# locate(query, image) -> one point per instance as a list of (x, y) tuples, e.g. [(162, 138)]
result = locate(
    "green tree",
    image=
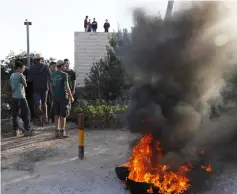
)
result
[(8, 64), (7, 67), (105, 81)]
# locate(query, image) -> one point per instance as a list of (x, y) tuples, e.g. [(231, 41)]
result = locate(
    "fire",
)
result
[(142, 169), (207, 168)]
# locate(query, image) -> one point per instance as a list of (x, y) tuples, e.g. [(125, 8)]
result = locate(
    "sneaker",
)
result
[(28, 133), (62, 134), (15, 133), (38, 123), (46, 122), (57, 133)]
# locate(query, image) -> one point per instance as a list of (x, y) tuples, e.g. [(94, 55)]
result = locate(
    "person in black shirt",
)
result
[(85, 23), (71, 76), (29, 94), (50, 107), (39, 74), (94, 25), (106, 26)]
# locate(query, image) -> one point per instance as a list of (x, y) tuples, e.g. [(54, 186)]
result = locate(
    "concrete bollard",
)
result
[(81, 136)]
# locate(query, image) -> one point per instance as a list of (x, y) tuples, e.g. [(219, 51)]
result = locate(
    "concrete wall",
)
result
[(88, 48)]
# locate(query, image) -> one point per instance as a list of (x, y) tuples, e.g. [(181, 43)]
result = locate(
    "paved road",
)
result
[(41, 164)]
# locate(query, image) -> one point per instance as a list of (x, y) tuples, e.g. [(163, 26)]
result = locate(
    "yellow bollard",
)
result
[(81, 136)]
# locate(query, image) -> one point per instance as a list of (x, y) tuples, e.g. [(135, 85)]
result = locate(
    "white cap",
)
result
[(60, 62), (38, 56)]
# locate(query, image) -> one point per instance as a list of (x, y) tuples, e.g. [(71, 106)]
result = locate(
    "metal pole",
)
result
[(28, 45), (81, 136), (169, 9), (27, 23)]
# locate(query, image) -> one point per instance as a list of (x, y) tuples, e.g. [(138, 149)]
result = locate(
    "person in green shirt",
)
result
[(71, 76), (62, 98), (18, 85)]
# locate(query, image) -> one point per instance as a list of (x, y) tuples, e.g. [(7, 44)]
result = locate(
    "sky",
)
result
[(55, 21)]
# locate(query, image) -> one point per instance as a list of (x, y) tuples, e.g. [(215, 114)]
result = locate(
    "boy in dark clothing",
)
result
[(106, 26), (29, 93), (85, 23), (71, 76), (62, 98), (89, 26), (39, 74), (94, 25), (18, 85), (53, 68)]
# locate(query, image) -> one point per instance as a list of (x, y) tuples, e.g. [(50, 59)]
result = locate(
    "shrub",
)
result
[(105, 79), (99, 115)]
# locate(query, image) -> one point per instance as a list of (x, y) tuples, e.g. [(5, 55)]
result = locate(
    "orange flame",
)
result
[(142, 169), (207, 168), (150, 190)]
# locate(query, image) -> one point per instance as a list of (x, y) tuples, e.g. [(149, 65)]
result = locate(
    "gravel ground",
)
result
[(42, 164)]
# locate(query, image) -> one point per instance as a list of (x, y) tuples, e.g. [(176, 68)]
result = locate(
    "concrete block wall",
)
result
[(88, 48)]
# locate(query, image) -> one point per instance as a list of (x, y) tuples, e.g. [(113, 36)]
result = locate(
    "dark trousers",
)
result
[(30, 99), (50, 106), (22, 106), (52, 112), (40, 98)]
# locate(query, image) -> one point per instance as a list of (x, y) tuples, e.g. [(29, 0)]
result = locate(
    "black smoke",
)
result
[(177, 65)]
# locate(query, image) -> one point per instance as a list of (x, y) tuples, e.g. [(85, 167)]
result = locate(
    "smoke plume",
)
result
[(177, 66)]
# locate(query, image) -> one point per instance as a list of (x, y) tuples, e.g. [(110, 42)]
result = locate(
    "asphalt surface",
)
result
[(42, 164)]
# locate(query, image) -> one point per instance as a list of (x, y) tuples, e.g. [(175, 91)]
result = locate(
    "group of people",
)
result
[(44, 92), (92, 26)]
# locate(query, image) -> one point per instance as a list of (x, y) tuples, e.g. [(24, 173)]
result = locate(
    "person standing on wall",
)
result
[(94, 25), (18, 85), (40, 76), (86, 23), (106, 26), (62, 98), (71, 76), (89, 26)]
